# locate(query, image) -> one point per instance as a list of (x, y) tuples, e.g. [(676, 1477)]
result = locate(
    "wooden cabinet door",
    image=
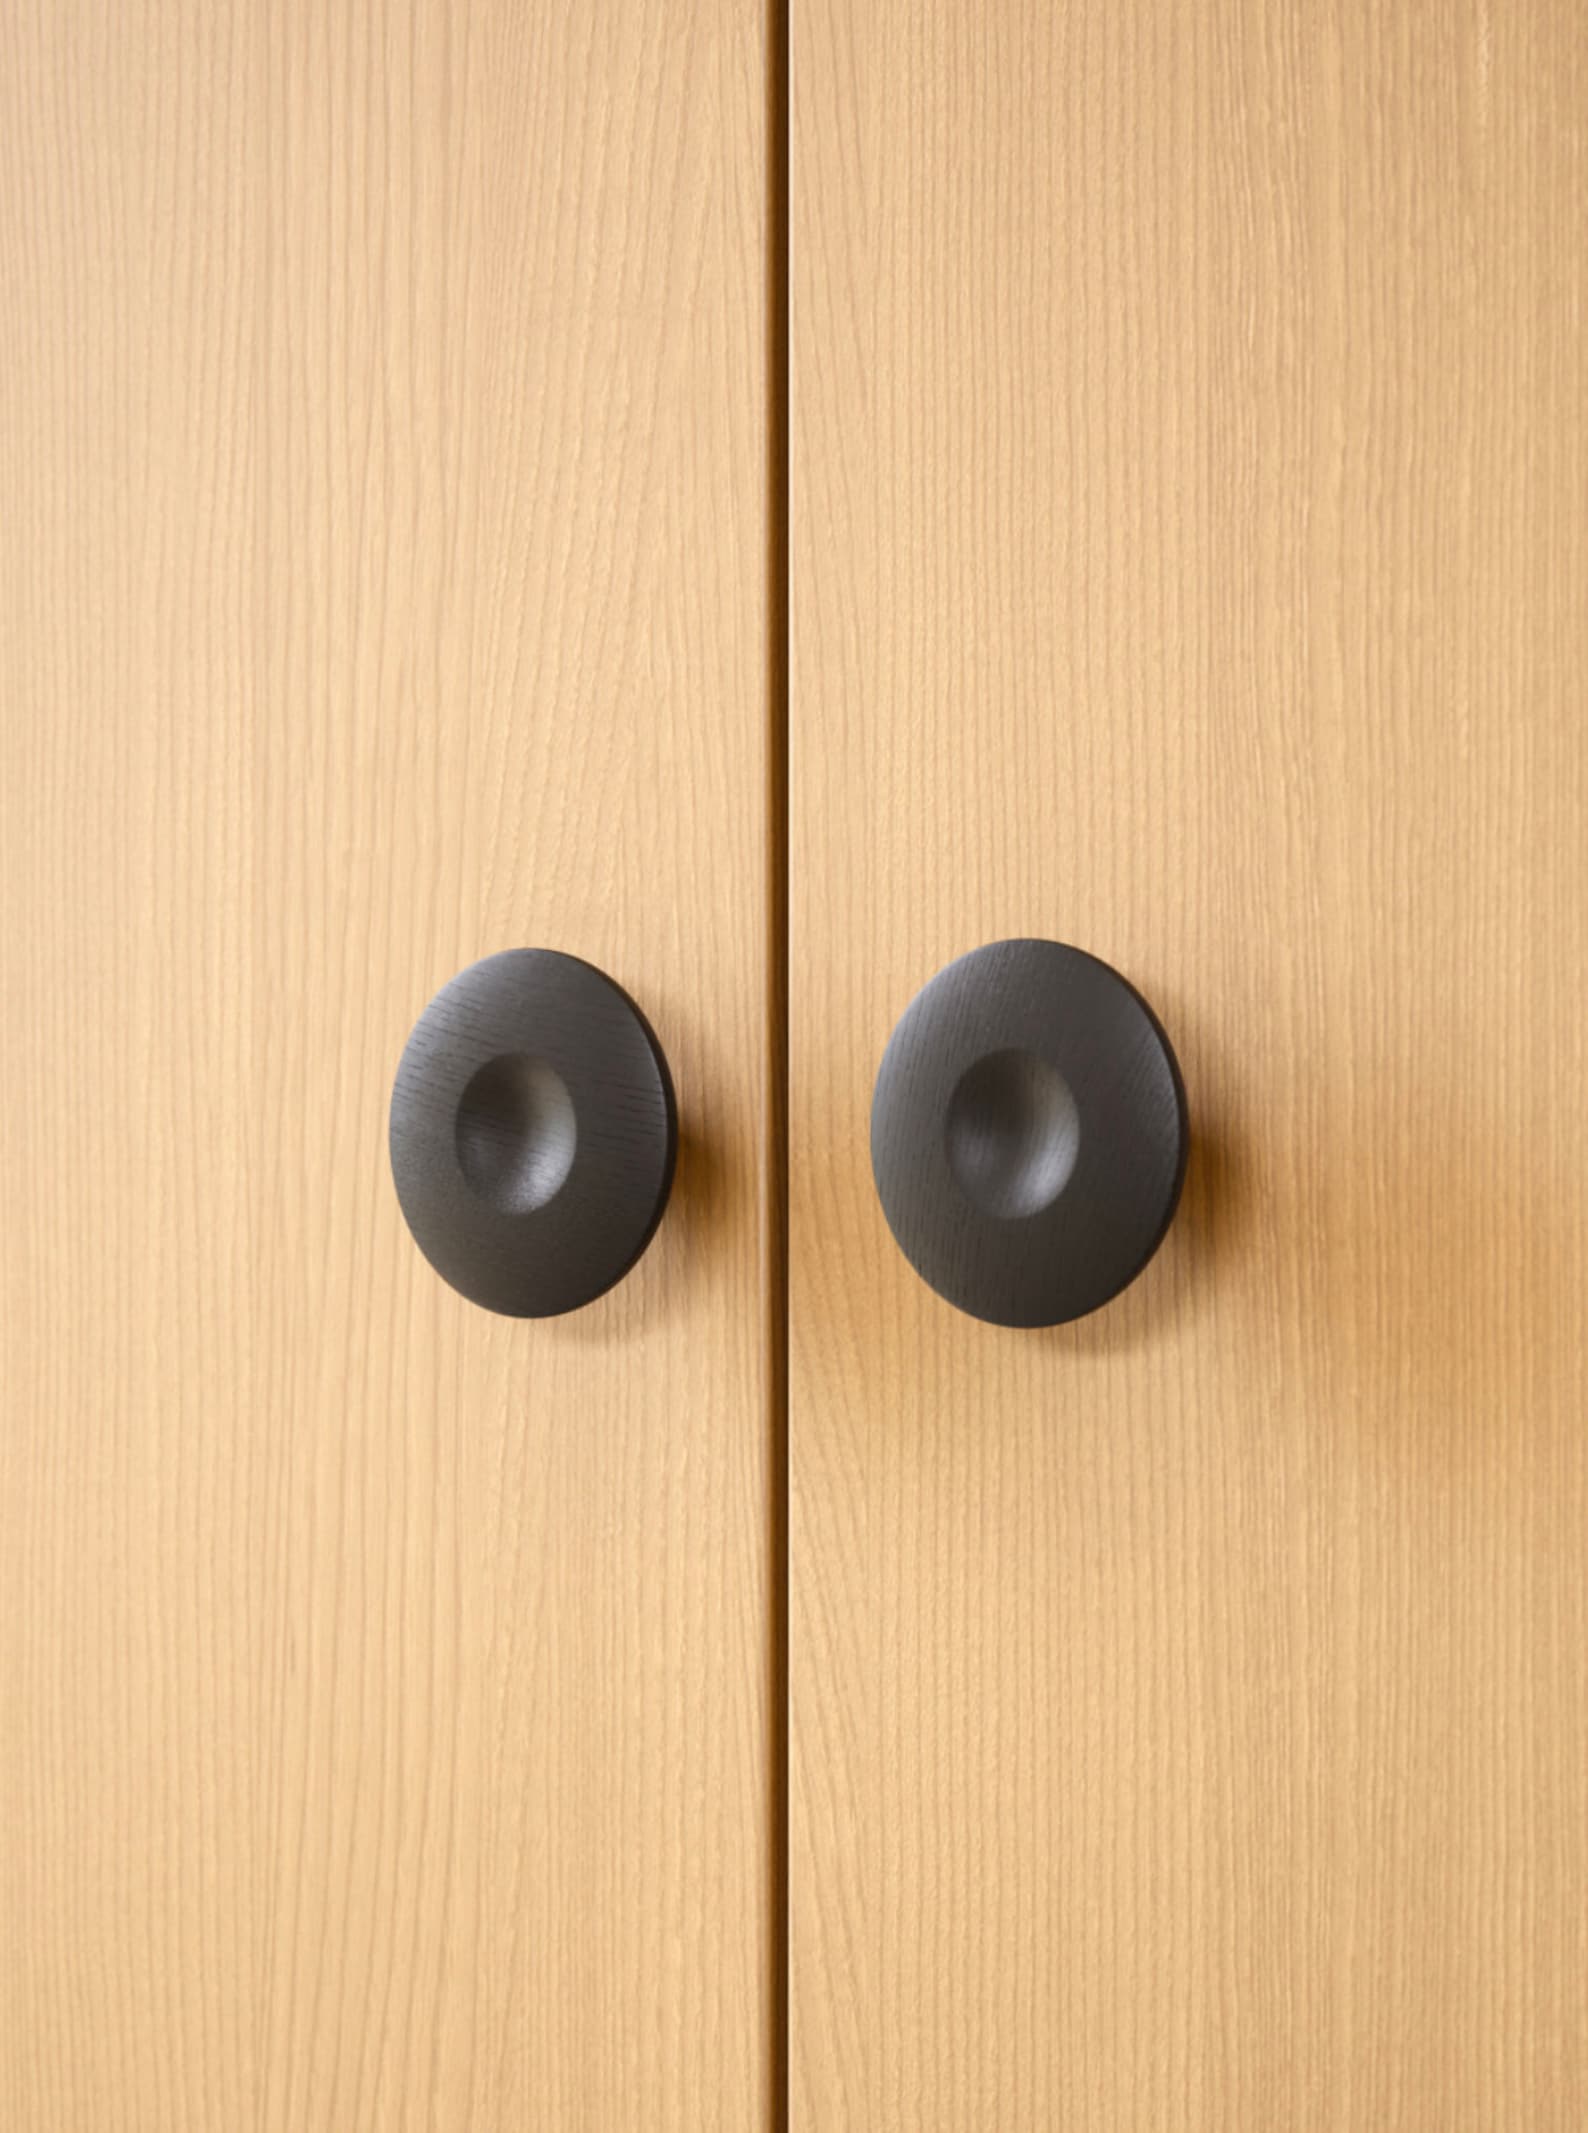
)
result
[(1189, 1706), (385, 1687)]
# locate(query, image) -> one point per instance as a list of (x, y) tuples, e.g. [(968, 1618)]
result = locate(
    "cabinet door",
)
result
[(384, 1686), (1189, 1705)]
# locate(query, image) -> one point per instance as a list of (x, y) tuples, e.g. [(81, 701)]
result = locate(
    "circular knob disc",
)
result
[(1028, 1133), (533, 1133)]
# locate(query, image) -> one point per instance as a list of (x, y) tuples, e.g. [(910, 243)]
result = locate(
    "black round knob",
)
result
[(533, 1133), (1028, 1133)]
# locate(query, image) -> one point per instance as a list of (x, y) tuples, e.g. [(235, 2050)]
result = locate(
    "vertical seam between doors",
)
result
[(777, 963)]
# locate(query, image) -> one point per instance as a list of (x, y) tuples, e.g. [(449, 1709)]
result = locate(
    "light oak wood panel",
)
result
[(385, 1689), (1189, 1707)]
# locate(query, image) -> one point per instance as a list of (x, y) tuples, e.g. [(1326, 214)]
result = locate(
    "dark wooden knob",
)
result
[(1028, 1133), (533, 1133)]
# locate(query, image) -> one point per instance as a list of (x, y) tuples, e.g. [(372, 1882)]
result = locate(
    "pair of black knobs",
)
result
[(1028, 1133)]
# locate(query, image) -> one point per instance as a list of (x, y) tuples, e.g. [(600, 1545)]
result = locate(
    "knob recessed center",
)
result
[(516, 1133), (1012, 1133)]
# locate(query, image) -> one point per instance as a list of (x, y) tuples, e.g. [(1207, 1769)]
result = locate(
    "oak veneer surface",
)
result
[(1189, 1707), (385, 1687)]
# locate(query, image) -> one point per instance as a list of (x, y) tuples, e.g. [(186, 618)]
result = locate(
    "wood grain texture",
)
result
[(385, 1688), (1190, 540)]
